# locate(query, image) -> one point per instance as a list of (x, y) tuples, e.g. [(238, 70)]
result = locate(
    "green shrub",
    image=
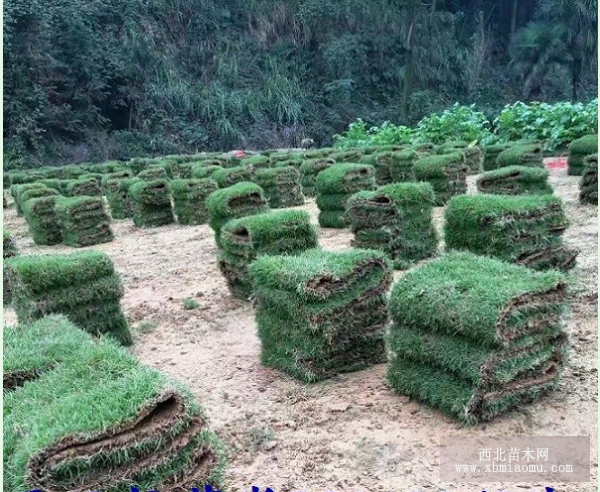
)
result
[(272, 233), (320, 313), (515, 180), (189, 199), (519, 229), (396, 219), (103, 421), (588, 186), (83, 286), (151, 203)]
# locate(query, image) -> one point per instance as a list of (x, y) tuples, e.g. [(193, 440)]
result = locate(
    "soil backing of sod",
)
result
[(83, 286), (588, 186), (525, 229), (151, 203), (335, 185), (515, 180), (189, 199), (395, 218), (474, 337), (83, 221), (103, 421), (273, 233), (320, 313)]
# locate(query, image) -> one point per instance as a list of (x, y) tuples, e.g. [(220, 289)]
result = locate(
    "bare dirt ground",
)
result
[(350, 433)]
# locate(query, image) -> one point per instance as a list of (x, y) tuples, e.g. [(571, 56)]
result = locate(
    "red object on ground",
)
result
[(239, 153), (555, 163)]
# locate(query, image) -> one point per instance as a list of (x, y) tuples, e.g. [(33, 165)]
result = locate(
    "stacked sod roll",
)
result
[(83, 187), (153, 174), (281, 186), (83, 221), (202, 171), (257, 162), (526, 230), (320, 313), (397, 219), (240, 200), (102, 420), (17, 191), (474, 337), (335, 185), (189, 199), (490, 155), (233, 175), (42, 219), (36, 193), (526, 154), (473, 154), (120, 174), (588, 186), (83, 286), (401, 166), (151, 203), (9, 249), (578, 150), (349, 155), (118, 197), (447, 174), (272, 233), (515, 180), (308, 173)]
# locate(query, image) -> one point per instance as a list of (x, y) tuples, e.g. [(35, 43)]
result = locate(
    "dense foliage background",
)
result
[(98, 79)]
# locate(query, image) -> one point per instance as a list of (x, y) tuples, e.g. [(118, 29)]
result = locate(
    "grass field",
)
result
[(348, 433)]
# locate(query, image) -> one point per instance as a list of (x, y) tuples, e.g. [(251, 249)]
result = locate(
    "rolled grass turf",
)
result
[(335, 185), (240, 200), (103, 421), (151, 203), (579, 149), (382, 162), (42, 220), (308, 173), (118, 197), (396, 219), (474, 337), (473, 154), (530, 155), (350, 156), (320, 313), (153, 174), (83, 187), (9, 249), (273, 233), (83, 221), (17, 191), (233, 175), (490, 155), (515, 180), (83, 286), (401, 166), (202, 171), (526, 230), (588, 185), (447, 174), (189, 199), (281, 186)]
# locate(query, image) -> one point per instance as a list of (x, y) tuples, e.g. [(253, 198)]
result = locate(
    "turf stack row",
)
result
[(472, 153), (530, 155), (578, 151), (320, 313), (83, 286), (189, 199), (102, 420), (42, 220), (335, 185), (119, 197), (446, 173), (515, 180), (151, 203), (519, 229), (490, 156), (588, 186), (309, 170), (402, 164), (396, 219), (83, 221), (272, 233), (474, 336), (9, 249)]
